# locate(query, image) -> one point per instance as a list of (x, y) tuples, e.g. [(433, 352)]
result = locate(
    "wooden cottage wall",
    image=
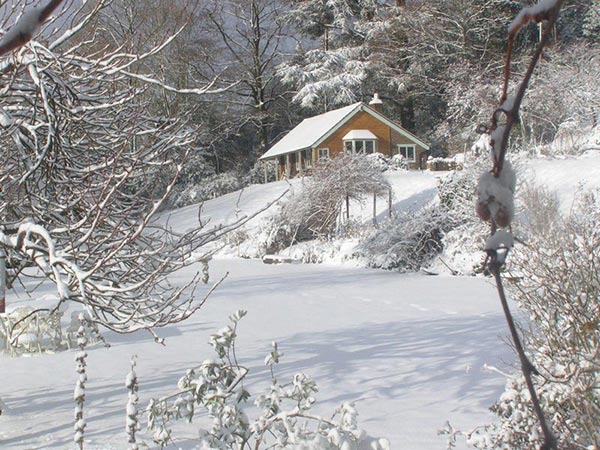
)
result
[(398, 138), (361, 121)]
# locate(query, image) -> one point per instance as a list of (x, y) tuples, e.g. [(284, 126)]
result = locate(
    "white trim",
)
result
[(407, 146), (378, 116), (352, 151), (325, 149)]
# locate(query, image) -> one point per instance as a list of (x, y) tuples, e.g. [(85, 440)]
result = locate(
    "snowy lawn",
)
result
[(410, 190), (565, 176), (408, 349)]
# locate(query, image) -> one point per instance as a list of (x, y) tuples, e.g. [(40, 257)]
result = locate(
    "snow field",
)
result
[(408, 349)]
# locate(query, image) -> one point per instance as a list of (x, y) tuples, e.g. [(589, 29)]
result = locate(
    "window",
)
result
[(407, 151), (356, 146), (307, 157), (323, 153)]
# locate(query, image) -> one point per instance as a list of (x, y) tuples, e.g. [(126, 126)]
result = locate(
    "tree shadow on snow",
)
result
[(396, 359)]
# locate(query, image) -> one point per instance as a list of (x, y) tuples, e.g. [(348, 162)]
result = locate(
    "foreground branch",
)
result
[(496, 189)]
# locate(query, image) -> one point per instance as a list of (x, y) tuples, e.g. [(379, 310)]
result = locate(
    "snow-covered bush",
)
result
[(408, 241), (381, 161), (399, 162), (211, 187), (284, 419), (315, 210), (256, 175), (462, 250)]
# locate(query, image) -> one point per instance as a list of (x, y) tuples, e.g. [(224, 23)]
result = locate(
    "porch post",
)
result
[(299, 160), (287, 166), (266, 172)]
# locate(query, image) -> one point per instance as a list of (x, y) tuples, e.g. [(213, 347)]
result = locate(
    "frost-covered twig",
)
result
[(496, 188)]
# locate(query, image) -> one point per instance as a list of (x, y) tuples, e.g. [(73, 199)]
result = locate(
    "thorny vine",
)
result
[(503, 119)]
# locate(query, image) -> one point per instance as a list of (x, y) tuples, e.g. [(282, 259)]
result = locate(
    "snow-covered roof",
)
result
[(314, 130), (359, 134), (309, 131)]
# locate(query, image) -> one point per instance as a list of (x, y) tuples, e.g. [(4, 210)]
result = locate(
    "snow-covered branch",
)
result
[(87, 163)]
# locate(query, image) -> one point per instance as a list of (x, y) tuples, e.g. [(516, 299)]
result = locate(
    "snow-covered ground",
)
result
[(565, 176), (410, 190), (408, 349)]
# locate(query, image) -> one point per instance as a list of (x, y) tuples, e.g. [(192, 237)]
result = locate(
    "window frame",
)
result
[(412, 147), (327, 155), (363, 146), (307, 158)]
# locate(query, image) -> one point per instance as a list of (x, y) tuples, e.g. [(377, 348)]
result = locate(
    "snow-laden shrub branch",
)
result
[(85, 168), (315, 210), (132, 425), (284, 420)]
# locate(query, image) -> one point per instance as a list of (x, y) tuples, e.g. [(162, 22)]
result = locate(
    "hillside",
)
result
[(410, 350)]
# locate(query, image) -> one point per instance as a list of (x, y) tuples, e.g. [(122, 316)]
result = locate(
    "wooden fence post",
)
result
[(374, 209), (347, 208)]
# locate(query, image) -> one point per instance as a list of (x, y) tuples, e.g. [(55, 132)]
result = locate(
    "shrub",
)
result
[(285, 420), (407, 242), (315, 210), (212, 186)]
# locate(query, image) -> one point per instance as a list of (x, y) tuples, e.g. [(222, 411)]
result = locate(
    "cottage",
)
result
[(354, 129)]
